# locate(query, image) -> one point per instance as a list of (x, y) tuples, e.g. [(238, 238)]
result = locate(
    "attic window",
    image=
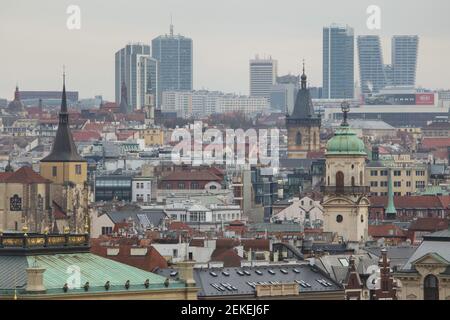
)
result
[(344, 262)]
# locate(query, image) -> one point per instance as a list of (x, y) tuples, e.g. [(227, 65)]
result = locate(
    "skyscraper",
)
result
[(174, 54), (263, 74), (404, 60), (371, 67), (338, 62), (138, 70)]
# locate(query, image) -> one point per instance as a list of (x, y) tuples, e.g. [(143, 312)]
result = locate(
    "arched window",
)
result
[(339, 181), (315, 138), (361, 178), (328, 180), (353, 181), (431, 288), (298, 139)]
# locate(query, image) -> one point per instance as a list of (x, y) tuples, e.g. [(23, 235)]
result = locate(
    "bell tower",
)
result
[(68, 172), (346, 206), (303, 125)]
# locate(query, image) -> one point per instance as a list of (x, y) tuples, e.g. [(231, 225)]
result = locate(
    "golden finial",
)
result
[(46, 230), (66, 229), (25, 230)]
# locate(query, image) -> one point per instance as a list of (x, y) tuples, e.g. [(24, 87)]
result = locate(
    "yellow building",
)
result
[(24, 200), (408, 175), (152, 136), (68, 172)]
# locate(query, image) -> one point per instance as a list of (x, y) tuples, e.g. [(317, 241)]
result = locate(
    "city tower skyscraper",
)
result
[(371, 67), (175, 56), (263, 75), (404, 60), (338, 62), (138, 71)]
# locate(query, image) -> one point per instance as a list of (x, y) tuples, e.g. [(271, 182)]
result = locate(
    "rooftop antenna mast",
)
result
[(171, 26)]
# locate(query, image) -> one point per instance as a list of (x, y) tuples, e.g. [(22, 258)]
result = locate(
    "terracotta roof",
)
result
[(178, 225), (124, 135), (229, 257), (408, 202), (202, 175), (429, 224), (86, 135), (431, 143), (58, 212), (256, 244), (386, 231), (23, 175)]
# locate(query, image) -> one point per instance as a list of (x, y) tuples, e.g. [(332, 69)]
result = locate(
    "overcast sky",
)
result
[(35, 42)]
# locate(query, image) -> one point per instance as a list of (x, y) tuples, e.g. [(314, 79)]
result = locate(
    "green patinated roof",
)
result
[(94, 269), (345, 142)]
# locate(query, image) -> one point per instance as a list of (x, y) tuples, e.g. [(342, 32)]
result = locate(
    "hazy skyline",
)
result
[(36, 43)]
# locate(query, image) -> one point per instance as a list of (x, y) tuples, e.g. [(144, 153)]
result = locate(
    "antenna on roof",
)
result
[(171, 26)]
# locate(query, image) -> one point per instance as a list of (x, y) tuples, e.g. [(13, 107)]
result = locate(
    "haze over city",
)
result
[(36, 42)]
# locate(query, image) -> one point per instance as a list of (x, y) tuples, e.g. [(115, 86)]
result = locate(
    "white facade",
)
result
[(141, 190), (193, 213), (302, 211)]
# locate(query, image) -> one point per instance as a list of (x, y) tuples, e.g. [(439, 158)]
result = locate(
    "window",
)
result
[(374, 183), (15, 203), (383, 183), (431, 288), (339, 218), (78, 169), (191, 256), (397, 184), (54, 171), (420, 173), (408, 173), (383, 173), (194, 185), (106, 230), (353, 181), (340, 180), (397, 173), (175, 253), (181, 185), (362, 218), (373, 173), (408, 183), (298, 139), (420, 184)]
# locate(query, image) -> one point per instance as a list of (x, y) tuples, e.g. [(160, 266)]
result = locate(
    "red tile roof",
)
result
[(229, 257), (86, 135), (429, 224), (408, 202), (256, 244), (23, 175), (431, 143), (386, 231)]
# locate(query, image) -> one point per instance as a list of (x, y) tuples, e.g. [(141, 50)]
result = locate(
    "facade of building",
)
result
[(404, 60), (371, 68), (284, 92), (263, 75), (338, 62), (138, 71), (67, 171), (25, 201), (174, 54), (303, 125)]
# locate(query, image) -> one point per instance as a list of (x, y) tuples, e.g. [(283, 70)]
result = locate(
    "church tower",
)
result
[(303, 125), (346, 206), (68, 172)]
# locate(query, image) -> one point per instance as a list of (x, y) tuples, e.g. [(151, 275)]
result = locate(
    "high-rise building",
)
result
[(371, 67), (174, 55), (139, 71), (283, 93), (338, 62), (404, 60), (263, 74)]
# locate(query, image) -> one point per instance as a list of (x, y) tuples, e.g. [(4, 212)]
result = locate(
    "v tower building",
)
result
[(174, 55), (404, 60), (338, 62), (371, 67)]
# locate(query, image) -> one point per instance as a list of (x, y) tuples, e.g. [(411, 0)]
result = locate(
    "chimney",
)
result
[(186, 272), (35, 279)]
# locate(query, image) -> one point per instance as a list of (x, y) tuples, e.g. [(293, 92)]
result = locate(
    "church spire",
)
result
[(390, 211), (303, 77), (64, 148)]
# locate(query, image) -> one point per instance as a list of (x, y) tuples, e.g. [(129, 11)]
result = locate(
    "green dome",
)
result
[(345, 142)]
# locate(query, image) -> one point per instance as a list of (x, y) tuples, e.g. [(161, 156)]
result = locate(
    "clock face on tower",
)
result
[(15, 203)]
